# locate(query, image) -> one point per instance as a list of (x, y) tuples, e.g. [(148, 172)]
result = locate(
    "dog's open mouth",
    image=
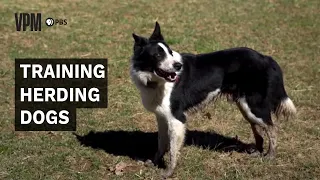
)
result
[(169, 76)]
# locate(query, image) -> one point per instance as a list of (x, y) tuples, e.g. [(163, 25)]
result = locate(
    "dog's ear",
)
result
[(139, 41), (156, 35)]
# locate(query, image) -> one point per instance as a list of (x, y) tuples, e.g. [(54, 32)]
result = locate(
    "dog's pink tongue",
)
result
[(177, 79)]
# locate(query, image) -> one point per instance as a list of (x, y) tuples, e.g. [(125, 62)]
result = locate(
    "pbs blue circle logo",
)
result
[(49, 22)]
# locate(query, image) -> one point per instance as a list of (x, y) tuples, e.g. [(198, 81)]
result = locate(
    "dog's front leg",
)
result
[(176, 135), (163, 139)]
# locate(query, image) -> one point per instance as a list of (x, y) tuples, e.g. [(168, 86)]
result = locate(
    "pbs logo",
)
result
[(50, 21)]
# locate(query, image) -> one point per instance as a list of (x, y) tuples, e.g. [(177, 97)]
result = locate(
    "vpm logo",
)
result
[(33, 20), (24, 20)]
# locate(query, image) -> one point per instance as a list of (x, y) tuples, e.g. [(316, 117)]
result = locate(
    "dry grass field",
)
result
[(111, 143)]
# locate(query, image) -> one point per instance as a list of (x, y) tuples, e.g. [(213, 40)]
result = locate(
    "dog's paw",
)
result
[(256, 154), (253, 151), (167, 173), (270, 156), (149, 163)]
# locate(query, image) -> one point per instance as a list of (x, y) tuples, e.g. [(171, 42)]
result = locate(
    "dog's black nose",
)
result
[(177, 66)]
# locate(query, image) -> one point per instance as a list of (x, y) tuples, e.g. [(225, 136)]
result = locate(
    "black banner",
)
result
[(48, 91)]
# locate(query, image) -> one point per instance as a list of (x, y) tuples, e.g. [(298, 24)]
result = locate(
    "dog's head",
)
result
[(154, 59)]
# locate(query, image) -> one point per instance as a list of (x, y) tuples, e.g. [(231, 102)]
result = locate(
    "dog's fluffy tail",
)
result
[(286, 108)]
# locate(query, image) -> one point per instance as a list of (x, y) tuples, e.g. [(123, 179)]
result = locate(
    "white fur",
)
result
[(140, 78), (286, 108), (210, 97), (177, 132), (167, 63), (248, 114), (289, 105)]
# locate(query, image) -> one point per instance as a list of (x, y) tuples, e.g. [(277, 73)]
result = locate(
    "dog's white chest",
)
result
[(157, 100), (154, 99)]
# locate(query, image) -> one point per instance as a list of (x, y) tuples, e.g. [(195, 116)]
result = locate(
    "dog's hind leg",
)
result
[(256, 128), (259, 115), (258, 136), (163, 139), (272, 135), (176, 135)]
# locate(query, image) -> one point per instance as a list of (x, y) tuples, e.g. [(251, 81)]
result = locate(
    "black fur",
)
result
[(147, 53), (237, 72)]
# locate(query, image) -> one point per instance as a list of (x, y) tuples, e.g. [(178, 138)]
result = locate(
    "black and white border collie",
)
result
[(172, 84)]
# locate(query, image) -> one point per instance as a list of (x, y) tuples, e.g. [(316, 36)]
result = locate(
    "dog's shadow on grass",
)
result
[(143, 145)]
